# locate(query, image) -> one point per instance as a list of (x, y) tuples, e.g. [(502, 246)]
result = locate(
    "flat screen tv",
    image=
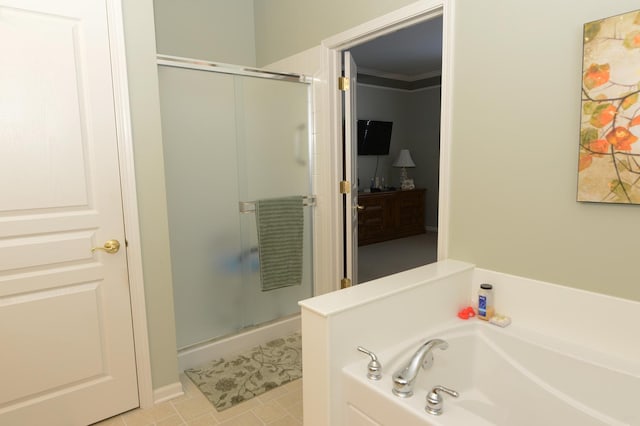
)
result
[(374, 137)]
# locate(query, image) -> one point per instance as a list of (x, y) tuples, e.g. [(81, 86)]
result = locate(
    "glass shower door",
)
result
[(229, 138), (273, 161), (201, 169)]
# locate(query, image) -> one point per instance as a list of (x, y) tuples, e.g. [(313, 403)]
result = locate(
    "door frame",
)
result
[(129, 201), (332, 69), (350, 165)]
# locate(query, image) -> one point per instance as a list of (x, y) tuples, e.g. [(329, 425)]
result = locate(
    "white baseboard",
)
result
[(196, 356), (167, 392)]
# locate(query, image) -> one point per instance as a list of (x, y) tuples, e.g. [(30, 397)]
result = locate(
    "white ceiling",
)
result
[(409, 54)]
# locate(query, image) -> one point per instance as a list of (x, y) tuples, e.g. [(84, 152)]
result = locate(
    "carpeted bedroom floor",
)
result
[(389, 257)]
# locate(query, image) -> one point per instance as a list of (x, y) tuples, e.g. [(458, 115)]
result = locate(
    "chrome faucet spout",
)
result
[(404, 378)]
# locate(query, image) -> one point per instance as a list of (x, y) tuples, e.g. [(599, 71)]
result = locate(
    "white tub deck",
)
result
[(585, 330)]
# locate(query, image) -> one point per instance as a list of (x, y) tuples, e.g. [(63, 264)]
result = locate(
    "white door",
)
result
[(351, 170), (66, 340)]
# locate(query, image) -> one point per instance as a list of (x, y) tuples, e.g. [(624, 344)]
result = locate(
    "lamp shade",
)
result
[(404, 159)]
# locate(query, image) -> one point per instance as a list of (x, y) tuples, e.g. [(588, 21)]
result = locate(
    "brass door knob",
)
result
[(111, 246), (359, 207)]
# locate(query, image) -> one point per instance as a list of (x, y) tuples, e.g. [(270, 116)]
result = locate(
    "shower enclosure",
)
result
[(231, 137)]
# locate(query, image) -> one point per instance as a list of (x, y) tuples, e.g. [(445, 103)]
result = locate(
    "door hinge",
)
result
[(345, 283), (343, 83), (345, 186)]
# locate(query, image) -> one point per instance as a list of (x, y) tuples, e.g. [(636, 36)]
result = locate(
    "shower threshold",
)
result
[(194, 355)]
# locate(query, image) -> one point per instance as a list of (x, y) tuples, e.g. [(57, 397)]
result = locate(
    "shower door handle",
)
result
[(298, 141)]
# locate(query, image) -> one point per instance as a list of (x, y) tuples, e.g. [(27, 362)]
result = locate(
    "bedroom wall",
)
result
[(416, 127), (424, 105), (384, 104)]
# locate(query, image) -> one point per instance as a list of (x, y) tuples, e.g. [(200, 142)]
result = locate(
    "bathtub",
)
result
[(509, 376)]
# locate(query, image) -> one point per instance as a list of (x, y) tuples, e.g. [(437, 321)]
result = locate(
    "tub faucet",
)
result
[(403, 378)]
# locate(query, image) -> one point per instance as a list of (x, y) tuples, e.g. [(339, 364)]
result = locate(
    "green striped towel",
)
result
[(280, 224)]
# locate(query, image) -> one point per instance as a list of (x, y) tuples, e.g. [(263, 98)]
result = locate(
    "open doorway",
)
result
[(398, 93)]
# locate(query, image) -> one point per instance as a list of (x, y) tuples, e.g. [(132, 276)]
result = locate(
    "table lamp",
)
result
[(404, 160)]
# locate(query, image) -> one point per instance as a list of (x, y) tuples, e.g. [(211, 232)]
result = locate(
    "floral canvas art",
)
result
[(609, 163)]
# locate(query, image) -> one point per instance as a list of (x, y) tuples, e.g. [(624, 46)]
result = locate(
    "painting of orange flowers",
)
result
[(609, 162)]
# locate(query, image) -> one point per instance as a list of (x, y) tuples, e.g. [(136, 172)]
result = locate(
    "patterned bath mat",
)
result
[(227, 382)]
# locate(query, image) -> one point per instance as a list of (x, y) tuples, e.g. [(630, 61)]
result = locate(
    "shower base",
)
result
[(196, 355)]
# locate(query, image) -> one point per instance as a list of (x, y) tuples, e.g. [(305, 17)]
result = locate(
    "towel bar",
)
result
[(250, 206)]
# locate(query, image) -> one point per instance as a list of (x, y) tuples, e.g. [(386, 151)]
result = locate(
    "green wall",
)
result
[(516, 106), (287, 27), (219, 31), (152, 205), (215, 30), (515, 134), (516, 121)]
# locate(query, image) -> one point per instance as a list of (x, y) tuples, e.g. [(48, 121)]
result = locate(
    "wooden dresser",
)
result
[(390, 214)]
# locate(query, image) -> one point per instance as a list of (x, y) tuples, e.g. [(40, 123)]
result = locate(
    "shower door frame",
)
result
[(218, 67)]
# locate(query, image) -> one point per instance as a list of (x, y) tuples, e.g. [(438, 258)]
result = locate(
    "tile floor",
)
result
[(281, 406)]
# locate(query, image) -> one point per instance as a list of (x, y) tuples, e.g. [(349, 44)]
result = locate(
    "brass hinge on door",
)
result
[(343, 83), (345, 186), (345, 283)]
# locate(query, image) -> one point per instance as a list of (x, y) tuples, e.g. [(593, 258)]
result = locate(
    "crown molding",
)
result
[(398, 76)]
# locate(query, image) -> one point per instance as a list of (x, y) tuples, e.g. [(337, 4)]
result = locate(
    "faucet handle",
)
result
[(374, 368), (434, 399)]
